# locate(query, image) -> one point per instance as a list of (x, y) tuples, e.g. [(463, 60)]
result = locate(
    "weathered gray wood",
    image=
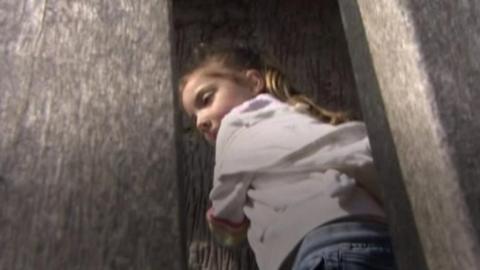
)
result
[(422, 57), (306, 37), (87, 153)]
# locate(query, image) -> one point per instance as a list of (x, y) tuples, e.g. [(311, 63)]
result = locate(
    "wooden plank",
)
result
[(417, 60), (87, 147)]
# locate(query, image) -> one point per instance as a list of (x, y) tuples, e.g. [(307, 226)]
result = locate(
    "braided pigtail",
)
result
[(277, 85)]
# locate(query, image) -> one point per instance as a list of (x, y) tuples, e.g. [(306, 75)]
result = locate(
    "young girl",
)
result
[(296, 178)]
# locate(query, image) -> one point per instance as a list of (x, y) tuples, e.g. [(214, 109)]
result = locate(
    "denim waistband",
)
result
[(347, 231), (337, 232)]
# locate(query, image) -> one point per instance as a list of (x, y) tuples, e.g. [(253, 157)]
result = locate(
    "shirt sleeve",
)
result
[(225, 232), (225, 218), (228, 197)]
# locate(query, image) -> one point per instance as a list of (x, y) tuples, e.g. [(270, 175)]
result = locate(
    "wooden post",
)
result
[(87, 147), (417, 70)]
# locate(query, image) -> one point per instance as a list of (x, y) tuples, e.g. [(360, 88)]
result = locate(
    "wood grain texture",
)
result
[(422, 56), (87, 156), (406, 239), (307, 39)]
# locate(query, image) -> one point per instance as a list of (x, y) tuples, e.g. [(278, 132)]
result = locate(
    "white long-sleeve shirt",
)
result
[(289, 173)]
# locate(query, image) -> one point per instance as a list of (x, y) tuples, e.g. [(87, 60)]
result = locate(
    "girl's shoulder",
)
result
[(264, 130), (262, 108), (258, 103)]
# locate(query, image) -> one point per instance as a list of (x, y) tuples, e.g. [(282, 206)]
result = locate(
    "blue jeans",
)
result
[(349, 245)]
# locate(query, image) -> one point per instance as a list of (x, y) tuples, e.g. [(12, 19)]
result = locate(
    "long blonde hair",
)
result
[(276, 84)]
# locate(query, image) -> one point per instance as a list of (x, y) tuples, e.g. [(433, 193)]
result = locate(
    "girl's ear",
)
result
[(257, 81)]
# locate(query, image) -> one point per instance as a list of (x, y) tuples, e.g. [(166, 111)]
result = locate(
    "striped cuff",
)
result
[(226, 232)]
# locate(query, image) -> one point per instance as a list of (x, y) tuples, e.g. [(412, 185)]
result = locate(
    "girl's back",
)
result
[(288, 173)]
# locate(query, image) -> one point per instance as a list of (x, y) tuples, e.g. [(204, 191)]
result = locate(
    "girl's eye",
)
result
[(207, 98)]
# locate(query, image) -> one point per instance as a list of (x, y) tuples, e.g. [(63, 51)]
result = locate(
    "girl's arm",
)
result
[(225, 217)]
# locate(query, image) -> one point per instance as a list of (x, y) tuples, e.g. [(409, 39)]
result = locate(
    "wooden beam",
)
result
[(88, 174), (417, 74)]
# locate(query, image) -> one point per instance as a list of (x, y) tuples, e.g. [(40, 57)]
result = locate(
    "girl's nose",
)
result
[(203, 125)]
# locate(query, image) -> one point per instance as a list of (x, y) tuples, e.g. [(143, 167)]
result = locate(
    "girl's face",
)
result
[(212, 91)]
